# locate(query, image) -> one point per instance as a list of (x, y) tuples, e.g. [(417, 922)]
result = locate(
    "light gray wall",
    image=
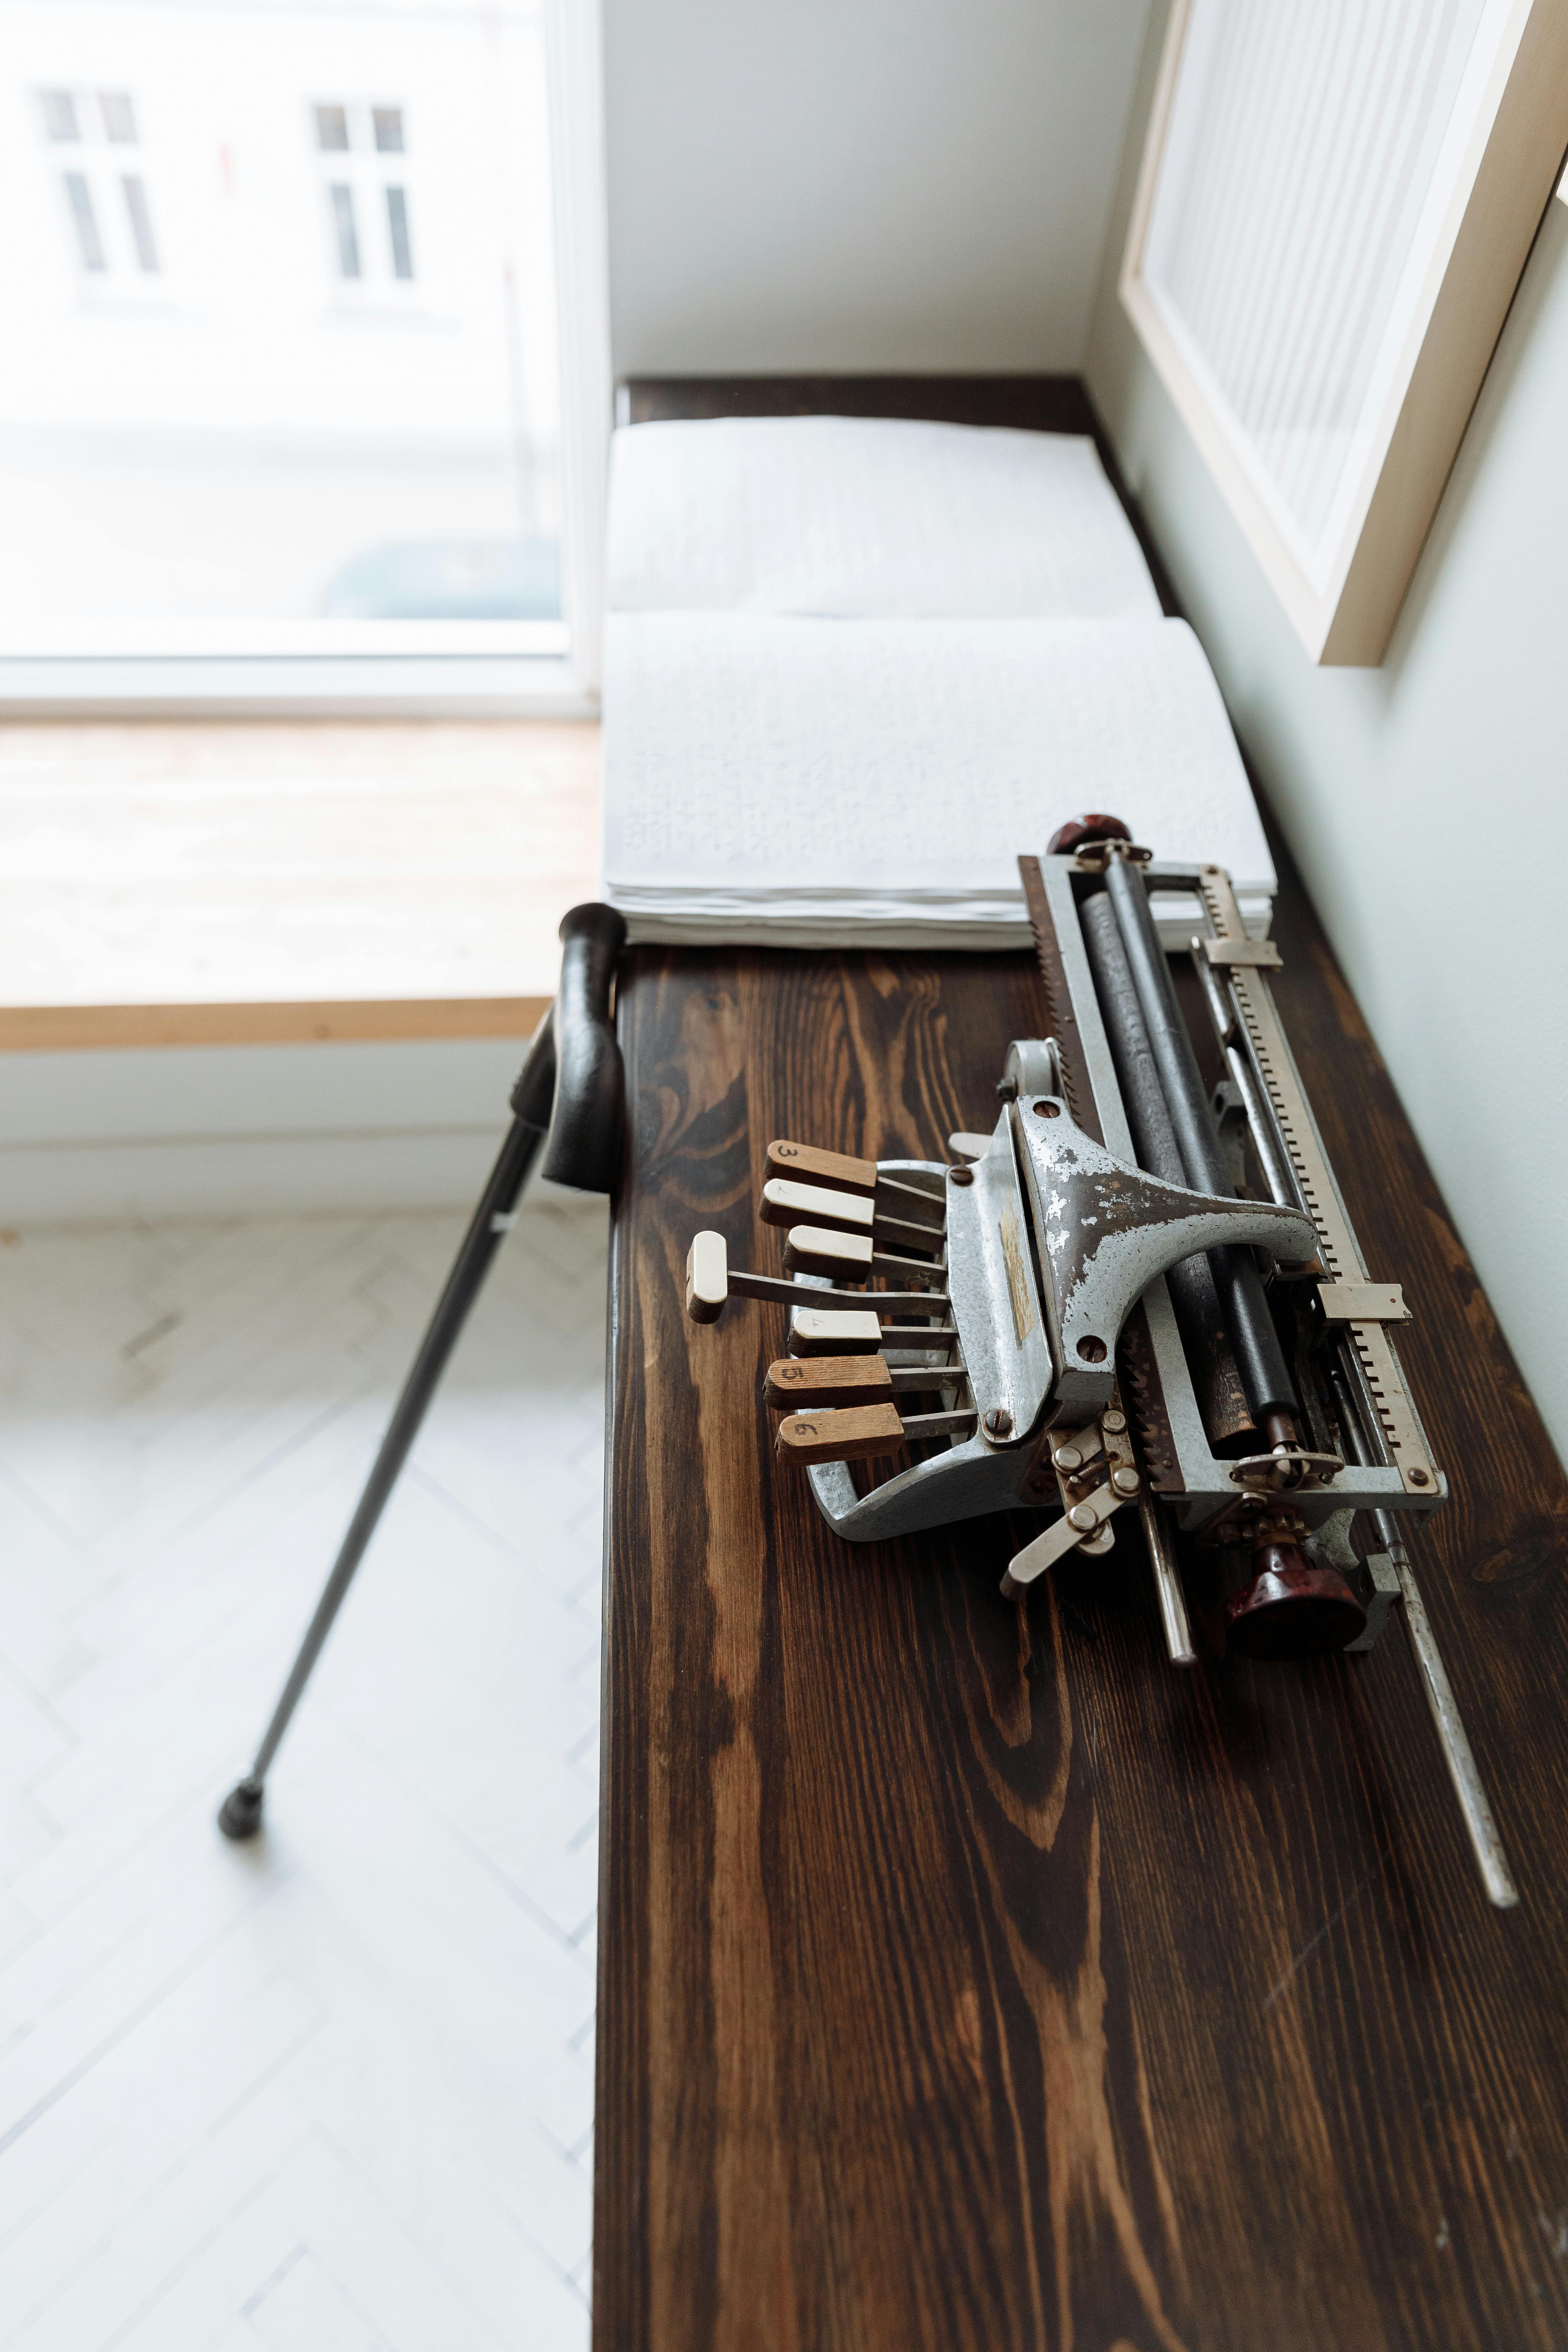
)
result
[(840, 184), (230, 1130), (1426, 801)]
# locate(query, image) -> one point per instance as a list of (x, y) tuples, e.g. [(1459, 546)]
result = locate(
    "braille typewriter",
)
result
[(1137, 1295)]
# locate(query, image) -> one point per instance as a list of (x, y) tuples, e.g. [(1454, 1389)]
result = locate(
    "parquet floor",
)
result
[(332, 2090)]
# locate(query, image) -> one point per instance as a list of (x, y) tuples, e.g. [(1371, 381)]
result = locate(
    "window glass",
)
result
[(119, 116), (141, 222), (280, 347), (89, 244), (59, 116), (398, 229), (343, 198)]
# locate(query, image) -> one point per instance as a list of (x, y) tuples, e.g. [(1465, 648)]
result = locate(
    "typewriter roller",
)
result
[(1135, 1296)]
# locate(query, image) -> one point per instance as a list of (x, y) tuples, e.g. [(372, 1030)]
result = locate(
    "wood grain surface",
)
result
[(968, 1977)]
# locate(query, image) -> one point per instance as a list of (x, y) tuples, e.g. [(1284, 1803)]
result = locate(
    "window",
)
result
[(292, 401), (59, 116), (107, 207), (118, 118), (84, 220), (367, 197), (133, 188), (397, 230), (342, 197)]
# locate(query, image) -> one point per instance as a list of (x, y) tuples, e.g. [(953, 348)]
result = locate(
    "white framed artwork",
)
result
[(1334, 208)]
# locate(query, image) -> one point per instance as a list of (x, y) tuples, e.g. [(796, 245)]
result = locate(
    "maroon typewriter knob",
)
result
[(1290, 1609), (1080, 829)]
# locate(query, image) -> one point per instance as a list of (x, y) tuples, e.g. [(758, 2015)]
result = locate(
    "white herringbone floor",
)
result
[(331, 2090)]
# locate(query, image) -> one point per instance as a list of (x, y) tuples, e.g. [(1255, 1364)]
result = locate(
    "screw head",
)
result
[(1067, 1457), (998, 1422), (1419, 1478), (1124, 1481), (1115, 1421), (964, 1175), (1047, 1109), (1091, 1349), (1081, 1518)]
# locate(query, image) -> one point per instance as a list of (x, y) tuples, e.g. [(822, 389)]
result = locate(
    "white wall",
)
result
[(1426, 801), (227, 1130), (840, 184)]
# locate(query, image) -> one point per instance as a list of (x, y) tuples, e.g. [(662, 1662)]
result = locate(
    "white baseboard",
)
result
[(206, 1132)]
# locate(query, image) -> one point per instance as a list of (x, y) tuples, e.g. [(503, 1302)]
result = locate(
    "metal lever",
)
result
[(1080, 1525), (1458, 1754)]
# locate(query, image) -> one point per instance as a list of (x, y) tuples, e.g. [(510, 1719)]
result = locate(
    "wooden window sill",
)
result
[(245, 882)]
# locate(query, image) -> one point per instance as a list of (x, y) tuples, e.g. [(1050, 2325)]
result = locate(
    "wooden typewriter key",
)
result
[(707, 1277), (784, 1203), (807, 1165), (833, 1331), (817, 1249), (797, 1382), (863, 1433)]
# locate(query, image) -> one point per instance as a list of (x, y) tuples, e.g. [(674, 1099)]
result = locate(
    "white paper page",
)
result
[(802, 768), (862, 516)]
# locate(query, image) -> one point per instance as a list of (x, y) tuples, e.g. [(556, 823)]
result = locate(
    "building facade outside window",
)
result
[(92, 135), (293, 372)]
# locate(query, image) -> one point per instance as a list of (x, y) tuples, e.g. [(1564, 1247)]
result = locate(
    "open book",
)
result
[(788, 764)]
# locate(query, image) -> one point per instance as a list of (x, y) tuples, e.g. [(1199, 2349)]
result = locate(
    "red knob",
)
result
[(1290, 1609), (1079, 829)]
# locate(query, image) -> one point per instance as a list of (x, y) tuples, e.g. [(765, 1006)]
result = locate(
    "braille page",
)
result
[(823, 775), (865, 516)]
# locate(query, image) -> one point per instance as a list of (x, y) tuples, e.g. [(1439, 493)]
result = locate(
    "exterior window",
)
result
[(134, 189), (286, 375), (90, 244), (118, 118), (369, 211), (343, 198), (397, 230), (59, 116), (108, 209)]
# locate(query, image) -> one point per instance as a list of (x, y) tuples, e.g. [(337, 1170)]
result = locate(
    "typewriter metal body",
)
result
[(1136, 1296)]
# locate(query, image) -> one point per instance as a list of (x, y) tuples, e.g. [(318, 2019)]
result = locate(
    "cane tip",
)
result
[(239, 1816)]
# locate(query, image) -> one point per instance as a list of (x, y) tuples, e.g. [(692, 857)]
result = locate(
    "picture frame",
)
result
[(1332, 218)]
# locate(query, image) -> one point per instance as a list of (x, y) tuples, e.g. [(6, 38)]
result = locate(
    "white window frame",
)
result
[(480, 669)]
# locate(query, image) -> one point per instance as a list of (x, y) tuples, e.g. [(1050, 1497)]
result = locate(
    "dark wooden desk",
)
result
[(968, 1979)]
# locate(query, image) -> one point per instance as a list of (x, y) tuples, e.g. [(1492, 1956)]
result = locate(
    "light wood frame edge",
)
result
[(84, 1028), (1349, 624)]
